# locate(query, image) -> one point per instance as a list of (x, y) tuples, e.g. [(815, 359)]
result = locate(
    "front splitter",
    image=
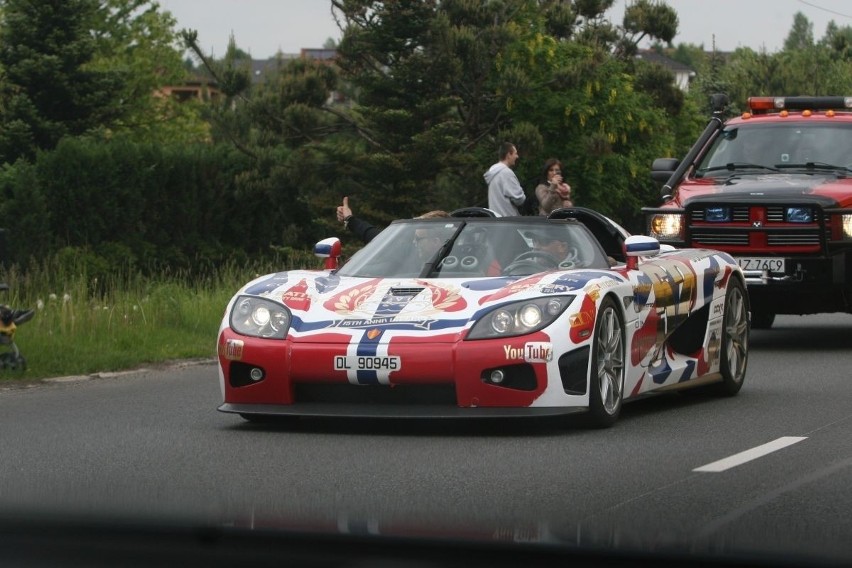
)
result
[(311, 409)]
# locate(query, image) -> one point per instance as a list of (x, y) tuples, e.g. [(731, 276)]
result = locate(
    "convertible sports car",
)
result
[(480, 316)]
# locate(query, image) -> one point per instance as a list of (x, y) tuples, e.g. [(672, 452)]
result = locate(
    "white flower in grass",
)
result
[(66, 298), (52, 297), (39, 304)]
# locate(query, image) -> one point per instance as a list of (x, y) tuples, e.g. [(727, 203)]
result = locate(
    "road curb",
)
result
[(68, 379)]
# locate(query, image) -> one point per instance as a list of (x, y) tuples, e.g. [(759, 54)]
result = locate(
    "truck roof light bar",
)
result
[(766, 104)]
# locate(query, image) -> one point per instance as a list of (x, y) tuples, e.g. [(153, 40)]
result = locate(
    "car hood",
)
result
[(825, 190), (321, 302)]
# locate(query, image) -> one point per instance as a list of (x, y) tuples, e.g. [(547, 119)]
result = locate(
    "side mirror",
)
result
[(330, 250), (719, 102), (663, 168), (639, 245)]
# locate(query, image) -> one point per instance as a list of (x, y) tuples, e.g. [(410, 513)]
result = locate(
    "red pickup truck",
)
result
[(773, 188)]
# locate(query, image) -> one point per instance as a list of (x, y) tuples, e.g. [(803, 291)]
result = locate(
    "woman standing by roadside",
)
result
[(552, 192)]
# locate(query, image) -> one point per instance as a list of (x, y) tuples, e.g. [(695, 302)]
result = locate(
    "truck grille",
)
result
[(802, 239), (709, 237), (739, 214), (757, 227)]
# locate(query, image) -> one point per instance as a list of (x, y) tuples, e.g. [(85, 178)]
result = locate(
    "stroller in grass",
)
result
[(10, 318)]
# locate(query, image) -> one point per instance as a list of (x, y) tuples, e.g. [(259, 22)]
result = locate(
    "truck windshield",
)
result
[(761, 148)]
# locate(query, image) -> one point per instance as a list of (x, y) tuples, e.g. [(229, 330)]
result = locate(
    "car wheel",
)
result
[(735, 331), (762, 319), (606, 392)]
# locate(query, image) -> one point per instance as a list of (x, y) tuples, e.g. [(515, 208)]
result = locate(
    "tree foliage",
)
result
[(162, 206), (440, 84), (431, 89), (48, 90), (137, 41), (406, 119), (83, 67), (803, 67), (281, 124)]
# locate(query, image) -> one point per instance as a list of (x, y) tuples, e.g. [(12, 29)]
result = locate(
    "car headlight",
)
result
[(847, 226), (259, 317), (666, 226), (519, 318)]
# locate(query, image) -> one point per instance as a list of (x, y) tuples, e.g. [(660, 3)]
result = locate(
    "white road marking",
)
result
[(748, 455)]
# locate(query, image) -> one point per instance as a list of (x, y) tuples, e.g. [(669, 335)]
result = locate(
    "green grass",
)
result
[(84, 326)]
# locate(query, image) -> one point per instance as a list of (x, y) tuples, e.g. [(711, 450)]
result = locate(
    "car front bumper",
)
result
[(506, 377)]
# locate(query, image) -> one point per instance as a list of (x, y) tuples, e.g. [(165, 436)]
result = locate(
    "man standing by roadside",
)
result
[(505, 194)]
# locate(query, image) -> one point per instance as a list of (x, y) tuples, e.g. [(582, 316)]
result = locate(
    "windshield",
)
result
[(462, 248), (761, 148)]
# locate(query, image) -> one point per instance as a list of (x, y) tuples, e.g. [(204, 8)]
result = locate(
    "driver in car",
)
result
[(557, 244)]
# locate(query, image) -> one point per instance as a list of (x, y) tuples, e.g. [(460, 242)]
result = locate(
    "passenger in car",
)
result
[(366, 231), (427, 242)]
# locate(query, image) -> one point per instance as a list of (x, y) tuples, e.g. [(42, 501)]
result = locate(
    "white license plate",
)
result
[(773, 265), (366, 363)]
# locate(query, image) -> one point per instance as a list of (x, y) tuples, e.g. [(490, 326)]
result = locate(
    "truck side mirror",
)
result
[(663, 168)]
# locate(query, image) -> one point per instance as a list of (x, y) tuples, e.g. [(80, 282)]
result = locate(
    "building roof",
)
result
[(670, 64), (319, 53)]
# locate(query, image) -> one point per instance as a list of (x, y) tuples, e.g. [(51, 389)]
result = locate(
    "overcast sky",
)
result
[(263, 27)]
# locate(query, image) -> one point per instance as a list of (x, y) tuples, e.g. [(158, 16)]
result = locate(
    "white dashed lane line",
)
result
[(749, 455)]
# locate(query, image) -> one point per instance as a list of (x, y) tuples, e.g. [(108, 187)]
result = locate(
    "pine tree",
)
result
[(48, 91)]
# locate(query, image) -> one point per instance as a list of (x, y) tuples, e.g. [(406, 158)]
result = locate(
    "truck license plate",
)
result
[(773, 265)]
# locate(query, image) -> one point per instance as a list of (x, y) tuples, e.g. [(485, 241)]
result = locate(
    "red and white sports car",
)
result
[(482, 316)]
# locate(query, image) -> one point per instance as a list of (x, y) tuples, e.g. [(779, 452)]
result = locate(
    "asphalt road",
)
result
[(151, 445)]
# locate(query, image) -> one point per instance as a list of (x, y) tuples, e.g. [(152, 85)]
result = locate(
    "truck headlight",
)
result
[(666, 226), (847, 226)]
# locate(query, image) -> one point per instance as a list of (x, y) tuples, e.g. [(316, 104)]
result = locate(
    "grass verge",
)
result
[(84, 326)]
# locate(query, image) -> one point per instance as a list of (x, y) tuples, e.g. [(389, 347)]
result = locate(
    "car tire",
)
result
[(762, 319), (606, 385), (735, 332)]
